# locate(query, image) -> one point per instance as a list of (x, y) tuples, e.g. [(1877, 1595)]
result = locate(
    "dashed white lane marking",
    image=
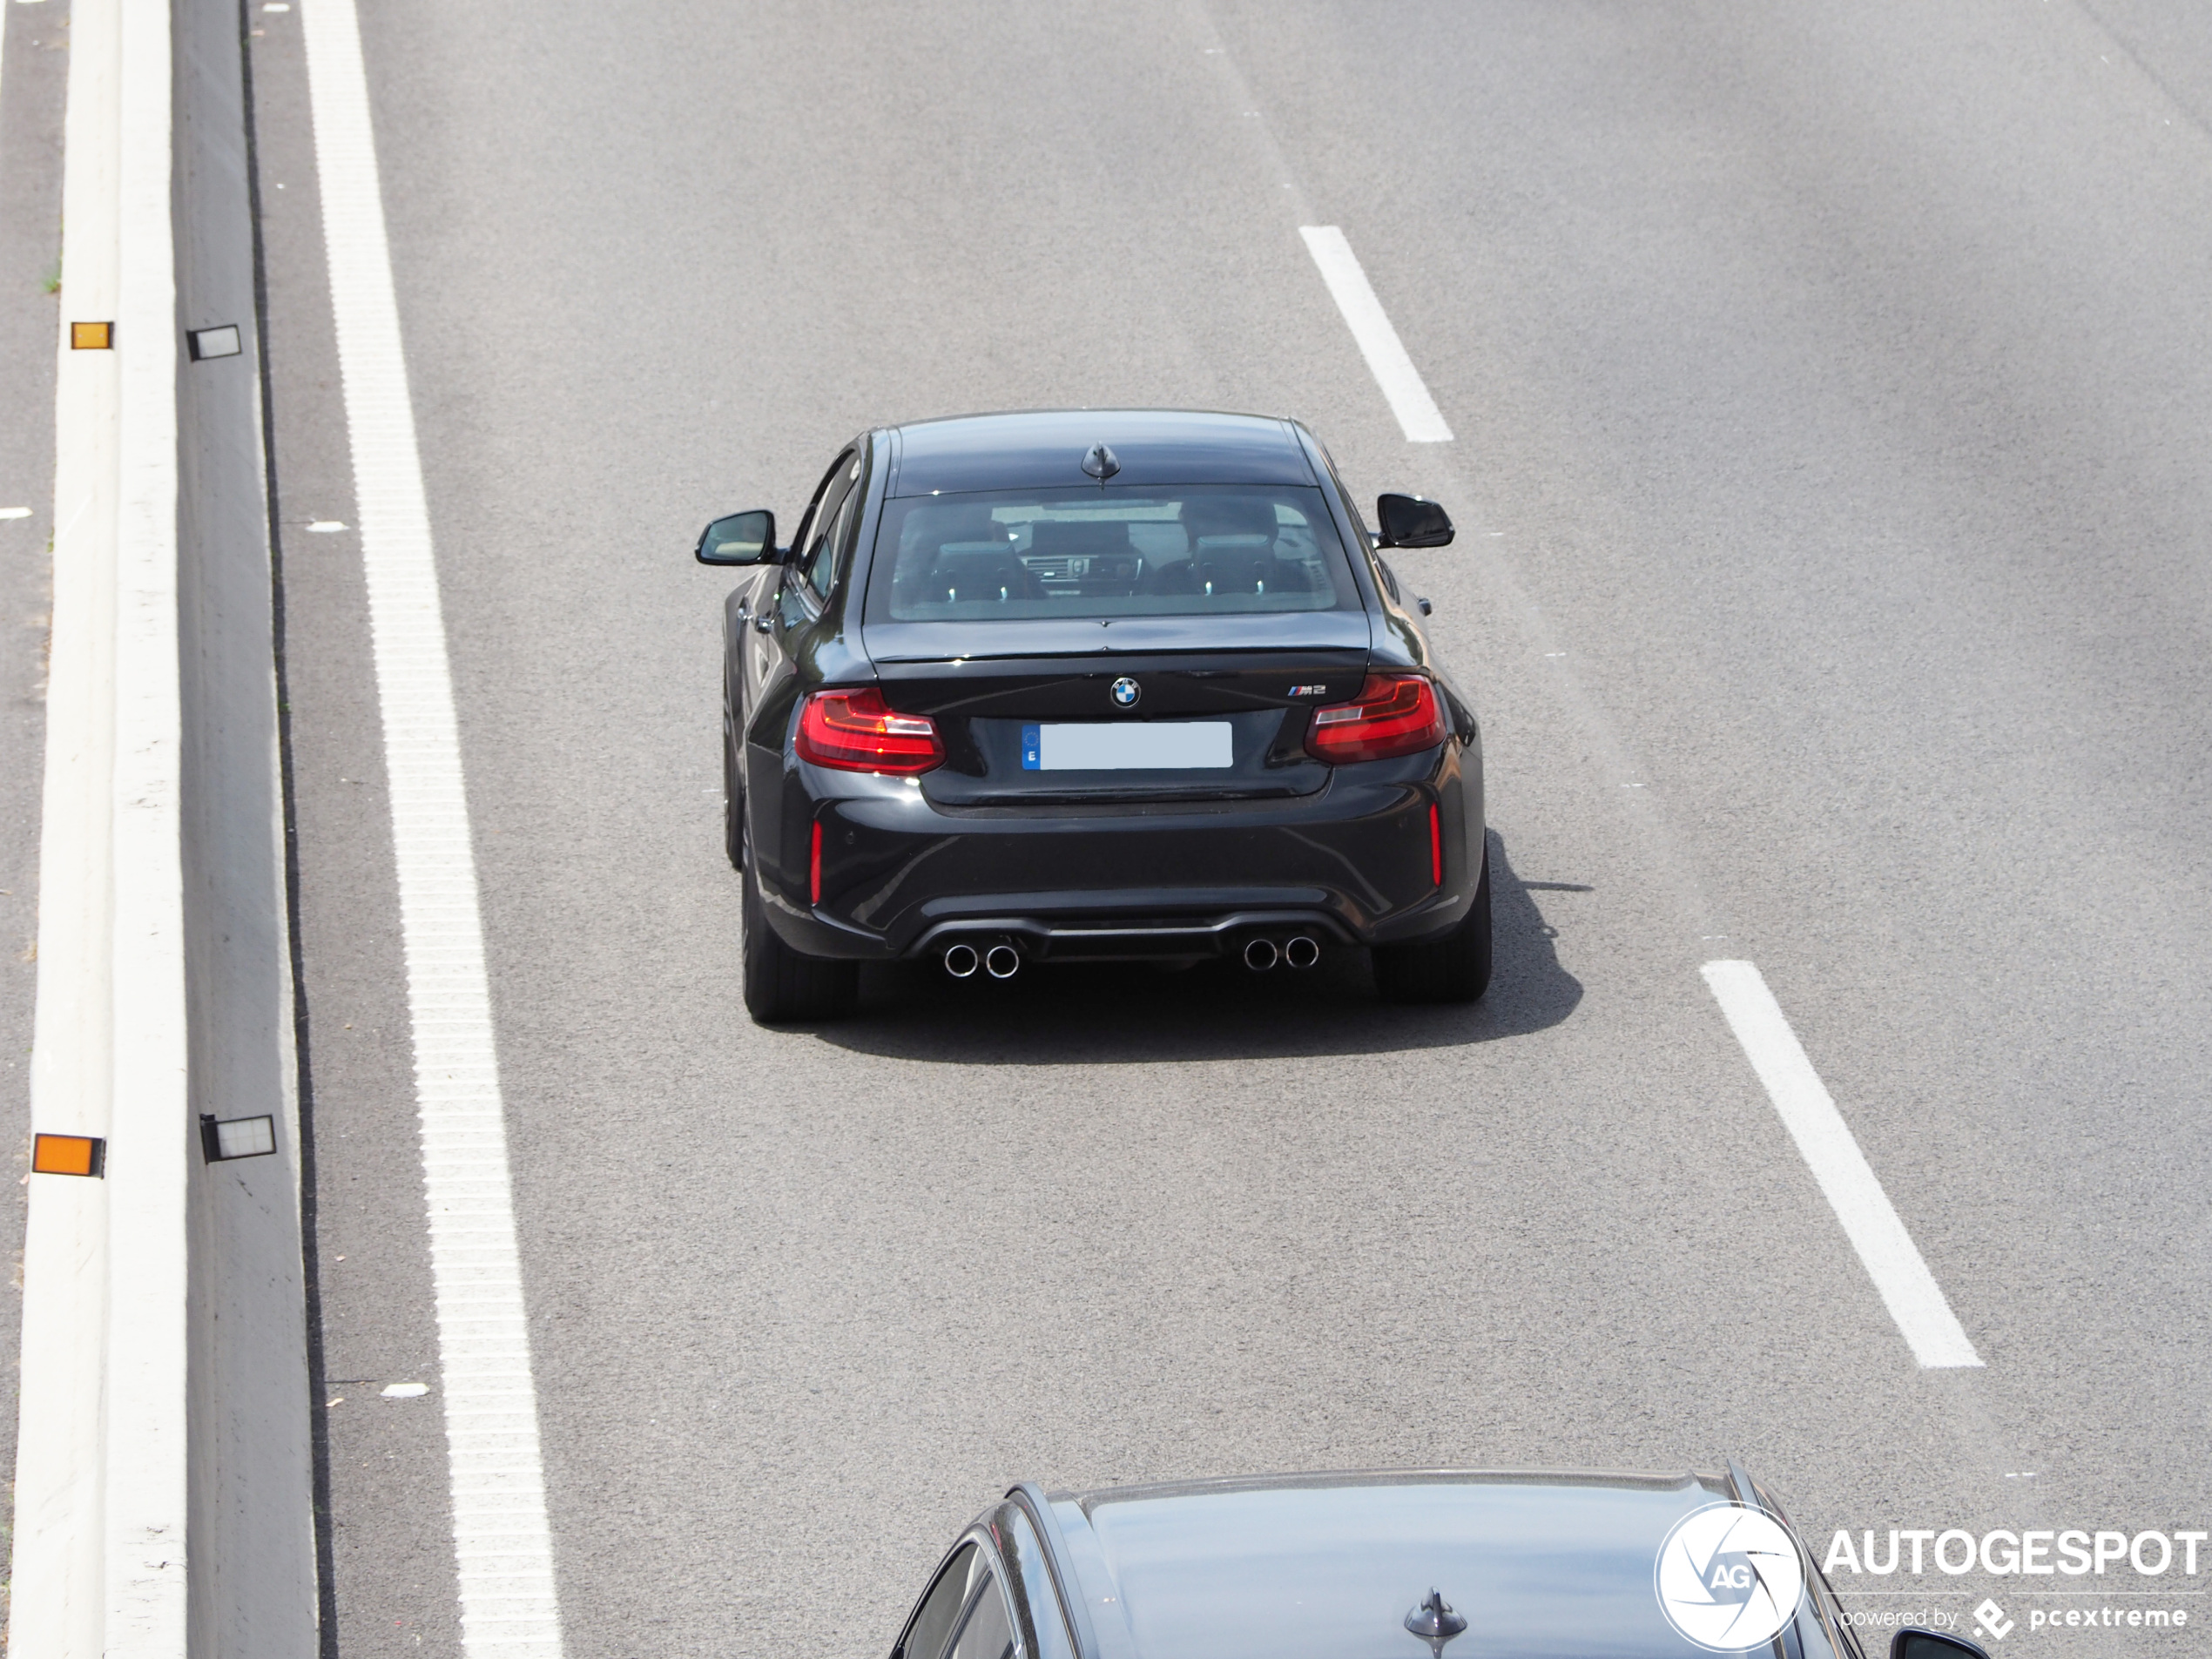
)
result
[(1900, 1276), (1378, 343), (501, 1541)]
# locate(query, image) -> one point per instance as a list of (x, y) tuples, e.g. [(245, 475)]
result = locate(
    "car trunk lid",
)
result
[(1029, 714)]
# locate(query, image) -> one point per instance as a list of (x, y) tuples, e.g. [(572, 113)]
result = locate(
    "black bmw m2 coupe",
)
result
[(1087, 685)]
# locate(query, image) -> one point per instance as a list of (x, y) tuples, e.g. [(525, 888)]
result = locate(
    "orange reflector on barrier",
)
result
[(68, 1155), (92, 336)]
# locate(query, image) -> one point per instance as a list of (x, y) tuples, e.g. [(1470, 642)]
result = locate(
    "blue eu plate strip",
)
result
[(1032, 749)]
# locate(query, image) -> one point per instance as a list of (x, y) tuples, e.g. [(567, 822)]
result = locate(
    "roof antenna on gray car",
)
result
[(1100, 462), (1434, 1623)]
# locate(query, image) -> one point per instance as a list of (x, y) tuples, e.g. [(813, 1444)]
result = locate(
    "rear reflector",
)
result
[(1435, 847), (68, 1155), (857, 730), (1396, 714), (814, 865), (223, 1139)]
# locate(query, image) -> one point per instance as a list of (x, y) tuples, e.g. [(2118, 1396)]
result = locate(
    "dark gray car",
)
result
[(1092, 686), (1427, 1565)]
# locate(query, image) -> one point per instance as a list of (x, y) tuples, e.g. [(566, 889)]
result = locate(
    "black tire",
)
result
[(733, 801), (1456, 968), (782, 985)]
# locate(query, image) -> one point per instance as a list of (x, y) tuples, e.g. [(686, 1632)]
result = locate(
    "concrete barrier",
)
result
[(164, 1470)]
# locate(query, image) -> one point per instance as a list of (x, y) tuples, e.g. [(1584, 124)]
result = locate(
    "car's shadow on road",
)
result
[(1100, 1014)]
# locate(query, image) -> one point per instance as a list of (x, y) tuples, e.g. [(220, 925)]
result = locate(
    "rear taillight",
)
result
[(1397, 714), (856, 730)]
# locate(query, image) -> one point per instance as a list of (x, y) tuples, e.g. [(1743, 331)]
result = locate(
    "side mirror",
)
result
[(742, 538), (1909, 1643), (1407, 521)]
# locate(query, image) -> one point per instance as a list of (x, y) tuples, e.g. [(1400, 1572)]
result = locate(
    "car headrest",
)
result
[(952, 523), (1061, 535), (1233, 515)]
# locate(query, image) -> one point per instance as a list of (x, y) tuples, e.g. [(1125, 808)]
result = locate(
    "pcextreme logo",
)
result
[(1992, 1624), (1727, 1578)]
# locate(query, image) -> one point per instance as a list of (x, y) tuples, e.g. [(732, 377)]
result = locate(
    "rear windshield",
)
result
[(1185, 551)]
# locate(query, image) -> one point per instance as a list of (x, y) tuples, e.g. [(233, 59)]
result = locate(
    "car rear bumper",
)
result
[(1353, 864), (1094, 933)]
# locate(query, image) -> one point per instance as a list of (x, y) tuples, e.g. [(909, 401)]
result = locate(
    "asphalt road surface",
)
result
[(1829, 386)]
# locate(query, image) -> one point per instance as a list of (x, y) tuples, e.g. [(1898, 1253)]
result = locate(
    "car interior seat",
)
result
[(959, 555), (1233, 548)]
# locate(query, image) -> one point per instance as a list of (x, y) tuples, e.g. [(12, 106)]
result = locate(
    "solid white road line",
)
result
[(1378, 343), (501, 1541), (1908, 1289)]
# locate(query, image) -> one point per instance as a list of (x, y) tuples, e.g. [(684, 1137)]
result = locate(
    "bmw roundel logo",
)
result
[(1126, 692)]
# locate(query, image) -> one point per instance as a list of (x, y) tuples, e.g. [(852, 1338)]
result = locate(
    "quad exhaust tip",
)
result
[(1298, 951), (1003, 961)]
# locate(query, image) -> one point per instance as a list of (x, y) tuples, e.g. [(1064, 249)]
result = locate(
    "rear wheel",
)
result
[(1456, 968), (782, 984)]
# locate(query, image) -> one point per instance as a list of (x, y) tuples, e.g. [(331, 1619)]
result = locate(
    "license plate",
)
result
[(1133, 745)]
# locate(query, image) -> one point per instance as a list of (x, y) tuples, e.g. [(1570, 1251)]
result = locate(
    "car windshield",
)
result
[(1182, 552)]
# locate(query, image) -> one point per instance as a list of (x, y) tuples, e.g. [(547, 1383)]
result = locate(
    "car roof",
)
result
[(1042, 447), (1327, 1566)]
